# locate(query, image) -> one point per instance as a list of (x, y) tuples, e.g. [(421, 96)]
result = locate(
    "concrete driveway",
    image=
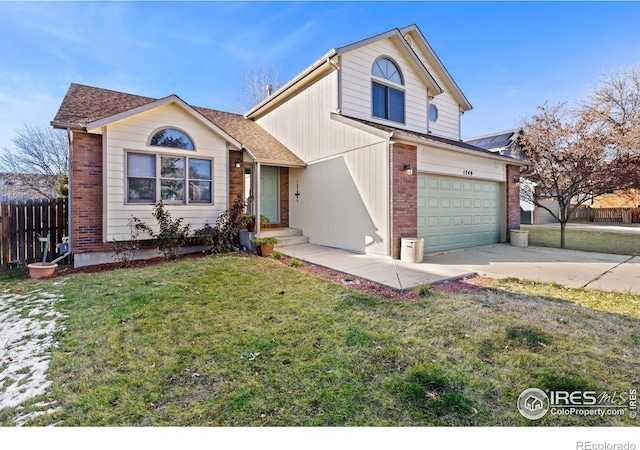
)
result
[(566, 267)]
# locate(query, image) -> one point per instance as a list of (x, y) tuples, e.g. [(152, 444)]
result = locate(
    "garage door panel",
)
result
[(441, 200)]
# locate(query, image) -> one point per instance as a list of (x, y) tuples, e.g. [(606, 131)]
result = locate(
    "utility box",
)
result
[(519, 238), (246, 239), (412, 250)]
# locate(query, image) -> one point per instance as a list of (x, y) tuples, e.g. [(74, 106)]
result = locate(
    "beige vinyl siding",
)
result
[(343, 199), (356, 90), (445, 162), (448, 123), (332, 210), (132, 134)]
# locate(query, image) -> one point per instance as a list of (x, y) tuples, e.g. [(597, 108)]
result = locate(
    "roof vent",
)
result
[(409, 40)]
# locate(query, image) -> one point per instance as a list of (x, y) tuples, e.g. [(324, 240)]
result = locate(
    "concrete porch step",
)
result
[(285, 236), (280, 232), (291, 240)]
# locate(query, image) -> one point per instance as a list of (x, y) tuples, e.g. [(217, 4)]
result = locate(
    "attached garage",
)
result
[(457, 212)]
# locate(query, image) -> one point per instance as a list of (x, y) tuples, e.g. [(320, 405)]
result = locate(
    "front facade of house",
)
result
[(359, 150)]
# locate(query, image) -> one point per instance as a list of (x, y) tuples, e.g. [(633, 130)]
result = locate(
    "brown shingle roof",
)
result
[(256, 139), (85, 104)]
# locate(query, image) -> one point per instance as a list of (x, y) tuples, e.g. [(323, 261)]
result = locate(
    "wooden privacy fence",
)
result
[(22, 222), (606, 215)]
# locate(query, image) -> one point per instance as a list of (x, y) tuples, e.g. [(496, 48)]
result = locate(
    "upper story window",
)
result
[(387, 69), (433, 113), (387, 91), (170, 137)]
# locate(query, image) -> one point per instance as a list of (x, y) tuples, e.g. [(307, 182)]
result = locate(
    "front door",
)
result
[(269, 203)]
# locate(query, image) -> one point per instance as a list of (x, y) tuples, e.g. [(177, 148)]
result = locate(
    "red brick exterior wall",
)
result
[(236, 177), (513, 199), (404, 195), (86, 194), (284, 201)]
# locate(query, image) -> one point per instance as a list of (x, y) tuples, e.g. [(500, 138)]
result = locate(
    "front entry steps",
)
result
[(285, 236)]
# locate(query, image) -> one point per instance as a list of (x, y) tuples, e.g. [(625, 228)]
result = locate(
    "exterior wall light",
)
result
[(516, 181), (238, 164), (408, 169)]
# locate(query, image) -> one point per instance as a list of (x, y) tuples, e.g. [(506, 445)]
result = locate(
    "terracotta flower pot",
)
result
[(265, 250), (38, 270)]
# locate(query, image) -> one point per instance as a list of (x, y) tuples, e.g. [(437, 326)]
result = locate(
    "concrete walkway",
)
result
[(566, 267)]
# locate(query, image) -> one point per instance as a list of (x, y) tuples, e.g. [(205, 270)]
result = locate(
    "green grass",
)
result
[(586, 241), (248, 341)]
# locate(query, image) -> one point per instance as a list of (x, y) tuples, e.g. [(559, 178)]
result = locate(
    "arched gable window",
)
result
[(387, 69), (170, 137), (387, 96)]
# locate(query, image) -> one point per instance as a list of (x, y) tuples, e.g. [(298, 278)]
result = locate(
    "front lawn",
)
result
[(248, 341)]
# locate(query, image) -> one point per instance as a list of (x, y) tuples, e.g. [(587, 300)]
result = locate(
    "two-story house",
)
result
[(359, 150)]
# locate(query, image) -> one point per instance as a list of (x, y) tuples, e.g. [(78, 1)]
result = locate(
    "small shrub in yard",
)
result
[(296, 263), (276, 255), (224, 236), (172, 234), (125, 251), (424, 290)]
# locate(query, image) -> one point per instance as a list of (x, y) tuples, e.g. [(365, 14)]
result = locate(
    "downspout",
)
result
[(428, 113), (339, 106), (389, 194), (69, 190), (257, 197)]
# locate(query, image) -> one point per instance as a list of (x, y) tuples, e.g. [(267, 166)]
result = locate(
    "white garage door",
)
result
[(457, 212)]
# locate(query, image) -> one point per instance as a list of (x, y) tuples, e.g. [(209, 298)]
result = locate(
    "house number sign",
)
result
[(467, 173)]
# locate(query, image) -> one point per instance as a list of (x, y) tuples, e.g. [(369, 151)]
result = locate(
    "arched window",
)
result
[(387, 69), (387, 97), (170, 137)]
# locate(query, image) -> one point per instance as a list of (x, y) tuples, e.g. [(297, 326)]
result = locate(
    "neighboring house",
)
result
[(12, 188), (358, 151), (506, 143), (629, 198)]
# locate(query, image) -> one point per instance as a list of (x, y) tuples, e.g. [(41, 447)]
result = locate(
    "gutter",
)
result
[(504, 159)]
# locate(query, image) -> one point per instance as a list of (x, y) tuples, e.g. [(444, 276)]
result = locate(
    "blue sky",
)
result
[(507, 57)]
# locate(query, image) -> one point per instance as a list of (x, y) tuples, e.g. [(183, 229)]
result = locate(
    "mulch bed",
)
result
[(345, 279)]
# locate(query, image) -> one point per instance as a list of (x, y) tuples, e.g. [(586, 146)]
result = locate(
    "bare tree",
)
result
[(39, 162), (616, 103), (571, 160), (256, 86)]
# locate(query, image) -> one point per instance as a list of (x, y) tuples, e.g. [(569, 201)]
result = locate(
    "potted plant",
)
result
[(250, 221), (43, 269), (264, 246)]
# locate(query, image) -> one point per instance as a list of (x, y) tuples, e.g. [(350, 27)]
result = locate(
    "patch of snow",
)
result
[(24, 347)]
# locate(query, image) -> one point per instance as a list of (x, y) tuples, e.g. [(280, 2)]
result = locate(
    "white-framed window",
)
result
[(170, 178), (433, 113), (387, 91), (171, 138)]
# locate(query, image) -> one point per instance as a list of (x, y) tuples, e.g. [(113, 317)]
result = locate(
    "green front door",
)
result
[(269, 204)]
